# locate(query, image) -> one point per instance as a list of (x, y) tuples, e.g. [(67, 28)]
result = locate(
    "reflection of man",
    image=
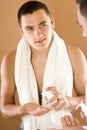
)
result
[(68, 122), (42, 61)]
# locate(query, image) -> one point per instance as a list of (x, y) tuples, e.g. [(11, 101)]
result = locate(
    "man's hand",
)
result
[(58, 101), (35, 109)]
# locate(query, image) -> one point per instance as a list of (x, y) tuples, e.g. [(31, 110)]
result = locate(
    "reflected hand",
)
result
[(70, 123)]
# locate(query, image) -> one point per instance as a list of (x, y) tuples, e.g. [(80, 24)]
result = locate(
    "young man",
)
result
[(42, 64)]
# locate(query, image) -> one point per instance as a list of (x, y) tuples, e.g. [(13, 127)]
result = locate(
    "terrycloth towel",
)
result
[(58, 72)]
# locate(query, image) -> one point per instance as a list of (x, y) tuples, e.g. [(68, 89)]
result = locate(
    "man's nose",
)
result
[(84, 33), (38, 32)]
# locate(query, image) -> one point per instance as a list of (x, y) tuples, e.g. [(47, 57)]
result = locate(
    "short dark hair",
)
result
[(82, 7), (30, 7)]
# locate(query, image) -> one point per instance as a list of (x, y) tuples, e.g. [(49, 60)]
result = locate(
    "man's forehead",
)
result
[(33, 20)]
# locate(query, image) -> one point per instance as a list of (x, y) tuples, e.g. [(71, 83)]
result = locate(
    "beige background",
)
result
[(64, 12)]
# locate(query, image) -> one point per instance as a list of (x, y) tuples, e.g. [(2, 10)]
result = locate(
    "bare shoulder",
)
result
[(76, 54), (8, 61), (9, 58), (74, 51)]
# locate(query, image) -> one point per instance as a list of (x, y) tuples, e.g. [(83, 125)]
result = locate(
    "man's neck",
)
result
[(38, 53)]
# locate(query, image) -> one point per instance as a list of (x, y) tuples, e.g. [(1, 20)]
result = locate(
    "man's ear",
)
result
[(53, 22), (21, 31)]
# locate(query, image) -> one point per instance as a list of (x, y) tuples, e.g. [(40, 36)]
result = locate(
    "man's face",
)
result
[(37, 28), (82, 21)]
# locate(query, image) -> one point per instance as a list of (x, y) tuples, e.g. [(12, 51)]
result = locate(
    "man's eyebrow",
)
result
[(31, 26), (27, 27), (42, 22)]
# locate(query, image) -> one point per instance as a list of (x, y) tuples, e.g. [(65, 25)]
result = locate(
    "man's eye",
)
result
[(29, 29), (44, 25)]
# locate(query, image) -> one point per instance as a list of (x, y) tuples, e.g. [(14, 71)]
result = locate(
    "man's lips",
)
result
[(40, 41)]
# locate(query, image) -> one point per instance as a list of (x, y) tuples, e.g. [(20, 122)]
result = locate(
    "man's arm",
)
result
[(79, 66), (8, 107)]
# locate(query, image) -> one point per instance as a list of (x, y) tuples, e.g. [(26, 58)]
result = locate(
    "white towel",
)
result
[(58, 72)]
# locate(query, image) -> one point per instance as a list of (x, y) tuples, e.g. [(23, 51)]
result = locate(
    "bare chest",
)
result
[(39, 68)]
